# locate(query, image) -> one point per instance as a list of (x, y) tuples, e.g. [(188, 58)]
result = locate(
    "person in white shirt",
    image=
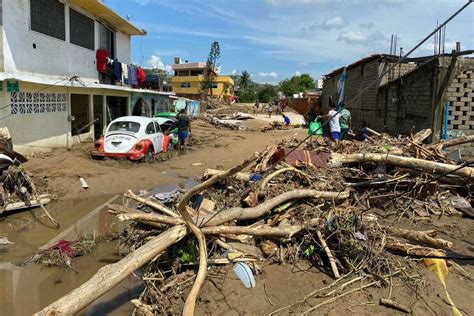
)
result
[(334, 124)]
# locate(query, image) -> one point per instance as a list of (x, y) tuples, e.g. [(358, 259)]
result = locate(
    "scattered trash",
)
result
[(83, 183), (197, 164), (245, 274), (168, 197), (4, 242)]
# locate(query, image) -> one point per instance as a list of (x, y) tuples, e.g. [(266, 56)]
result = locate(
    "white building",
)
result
[(51, 88)]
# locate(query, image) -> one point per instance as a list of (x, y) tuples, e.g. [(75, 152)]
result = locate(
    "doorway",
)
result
[(80, 112), (116, 107), (98, 117)]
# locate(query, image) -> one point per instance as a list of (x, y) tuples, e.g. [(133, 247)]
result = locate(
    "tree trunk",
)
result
[(425, 165), (283, 232), (109, 276), (238, 213)]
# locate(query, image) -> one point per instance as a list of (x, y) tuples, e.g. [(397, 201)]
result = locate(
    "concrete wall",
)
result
[(195, 85), (45, 123), (51, 56)]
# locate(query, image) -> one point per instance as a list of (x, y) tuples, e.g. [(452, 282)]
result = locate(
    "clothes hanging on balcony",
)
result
[(133, 75), (141, 76), (118, 71), (101, 56), (125, 73)]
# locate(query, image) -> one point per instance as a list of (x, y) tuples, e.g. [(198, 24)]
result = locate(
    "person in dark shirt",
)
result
[(183, 124)]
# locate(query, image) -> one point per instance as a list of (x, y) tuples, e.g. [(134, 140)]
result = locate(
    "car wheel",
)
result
[(149, 156)]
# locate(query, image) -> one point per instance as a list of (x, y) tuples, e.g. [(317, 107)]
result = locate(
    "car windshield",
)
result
[(124, 127)]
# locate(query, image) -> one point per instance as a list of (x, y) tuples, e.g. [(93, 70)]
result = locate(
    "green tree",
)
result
[(211, 67), (267, 93), (249, 94), (245, 80), (297, 84), (306, 82)]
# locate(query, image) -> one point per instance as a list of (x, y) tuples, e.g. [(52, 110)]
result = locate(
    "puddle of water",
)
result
[(26, 290), (30, 230)]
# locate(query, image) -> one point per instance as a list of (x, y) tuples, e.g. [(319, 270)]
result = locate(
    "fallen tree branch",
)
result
[(394, 305), (454, 142), (285, 231), (153, 204), (190, 303), (110, 275), (241, 176), (128, 214), (332, 262), (405, 248), (399, 161), (278, 172), (420, 237), (265, 207)]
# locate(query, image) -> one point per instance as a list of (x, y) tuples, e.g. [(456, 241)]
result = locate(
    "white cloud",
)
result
[(156, 62), (333, 23), (297, 73), (359, 37), (234, 71), (267, 74)]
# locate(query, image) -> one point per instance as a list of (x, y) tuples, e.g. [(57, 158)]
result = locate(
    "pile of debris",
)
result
[(232, 121), (334, 209), (17, 190), (276, 125)]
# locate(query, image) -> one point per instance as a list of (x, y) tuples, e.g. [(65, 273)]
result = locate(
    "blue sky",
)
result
[(274, 39)]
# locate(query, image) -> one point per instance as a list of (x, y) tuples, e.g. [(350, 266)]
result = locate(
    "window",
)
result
[(37, 103), (107, 40), (157, 127), (214, 85), (47, 17), (81, 29), (185, 85), (133, 127), (150, 129)]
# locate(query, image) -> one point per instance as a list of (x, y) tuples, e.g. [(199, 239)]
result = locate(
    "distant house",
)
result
[(188, 78), (49, 71), (434, 92)]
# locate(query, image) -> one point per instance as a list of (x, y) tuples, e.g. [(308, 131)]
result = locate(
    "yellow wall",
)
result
[(195, 85)]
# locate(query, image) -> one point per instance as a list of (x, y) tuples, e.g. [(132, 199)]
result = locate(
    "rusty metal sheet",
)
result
[(298, 157)]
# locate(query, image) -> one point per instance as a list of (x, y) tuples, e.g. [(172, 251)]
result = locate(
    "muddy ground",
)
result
[(26, 289)]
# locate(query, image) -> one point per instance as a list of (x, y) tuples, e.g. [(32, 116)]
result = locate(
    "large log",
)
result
[(283, 232), (265, 207), (399, 161), (454, 142), (110, 275)]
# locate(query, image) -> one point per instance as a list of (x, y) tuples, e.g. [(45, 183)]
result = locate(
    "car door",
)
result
[(151, 134), (159, 138)]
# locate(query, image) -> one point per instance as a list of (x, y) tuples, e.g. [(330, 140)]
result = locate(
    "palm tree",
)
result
[(245, 80)]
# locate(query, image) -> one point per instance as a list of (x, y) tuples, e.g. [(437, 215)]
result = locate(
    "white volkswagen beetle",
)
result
[(134, 137)]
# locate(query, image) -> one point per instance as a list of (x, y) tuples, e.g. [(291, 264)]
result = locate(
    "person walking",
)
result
[(255, 107), (346, 123), (334, 124), (183, 124), (270, 109)]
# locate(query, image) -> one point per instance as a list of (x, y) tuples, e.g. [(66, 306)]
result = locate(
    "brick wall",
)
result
[(460, 95)]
